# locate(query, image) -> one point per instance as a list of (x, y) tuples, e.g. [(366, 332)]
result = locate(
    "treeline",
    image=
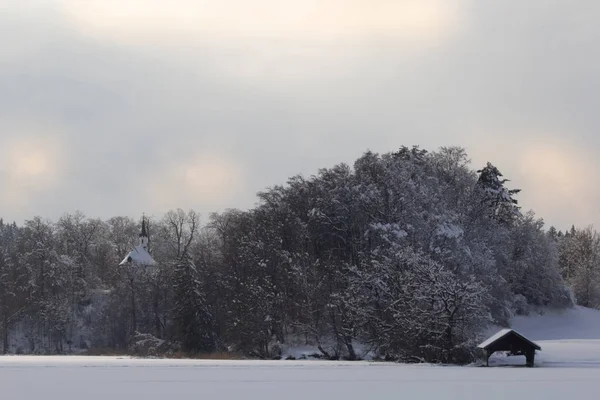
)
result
[(580, 263), (408, 255)]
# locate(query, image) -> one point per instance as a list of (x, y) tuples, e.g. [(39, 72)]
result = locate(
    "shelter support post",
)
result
[(486, 356), (530, 357)]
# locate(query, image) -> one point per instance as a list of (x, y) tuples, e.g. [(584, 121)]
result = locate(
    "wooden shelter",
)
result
[(512, 342)]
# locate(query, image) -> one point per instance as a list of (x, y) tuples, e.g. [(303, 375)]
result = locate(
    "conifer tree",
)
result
[(193, 318), (500, 199)]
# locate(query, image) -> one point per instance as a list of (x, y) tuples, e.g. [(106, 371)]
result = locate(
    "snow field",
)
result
[(567, 366), (65, 378)]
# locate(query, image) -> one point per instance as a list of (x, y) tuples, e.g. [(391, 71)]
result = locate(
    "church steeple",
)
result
[(139, 255), (144, 234)]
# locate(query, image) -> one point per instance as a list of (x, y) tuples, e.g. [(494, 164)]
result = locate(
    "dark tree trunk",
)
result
[(155, 306), (133, 312), (350, 347), (5, 335)]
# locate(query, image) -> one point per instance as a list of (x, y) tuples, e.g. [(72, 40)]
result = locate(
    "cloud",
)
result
[(31, 163), (559, 176), (279, 45), (153, 19), (207, 179), (204, 103)]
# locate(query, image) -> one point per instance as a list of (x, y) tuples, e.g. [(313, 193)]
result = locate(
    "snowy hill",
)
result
[(569, 338), (574, 323)]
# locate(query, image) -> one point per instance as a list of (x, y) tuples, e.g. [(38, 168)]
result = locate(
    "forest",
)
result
[(408, 255)]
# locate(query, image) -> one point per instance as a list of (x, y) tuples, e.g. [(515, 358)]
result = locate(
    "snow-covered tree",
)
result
[(502, 205), (410, 253), (192, 315), (580, 265)]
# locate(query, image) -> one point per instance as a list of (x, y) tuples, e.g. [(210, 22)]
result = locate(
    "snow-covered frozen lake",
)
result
[(96, 378), (567, 367)]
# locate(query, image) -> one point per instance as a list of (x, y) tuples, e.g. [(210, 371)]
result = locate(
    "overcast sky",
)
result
[(122, 107)]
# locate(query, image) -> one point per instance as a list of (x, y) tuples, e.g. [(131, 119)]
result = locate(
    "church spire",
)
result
[(140, 255), (144, 234)]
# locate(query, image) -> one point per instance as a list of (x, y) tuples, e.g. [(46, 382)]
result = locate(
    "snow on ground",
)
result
[(65, 378), (575, 323), (568, 365)]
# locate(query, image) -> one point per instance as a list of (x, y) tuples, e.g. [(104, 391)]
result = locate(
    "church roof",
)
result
[(140, 256)]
